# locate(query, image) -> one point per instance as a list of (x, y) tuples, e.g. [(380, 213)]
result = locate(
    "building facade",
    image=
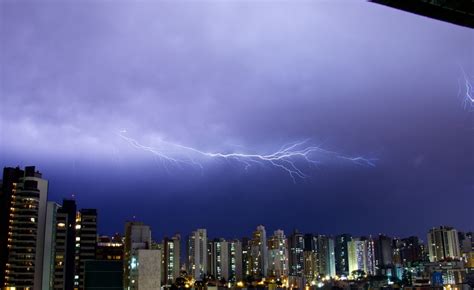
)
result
[(341, 254), (23, 202), (278, 255), (137, 237), (443, 244), (296, 245), (197, 254), (171, 258), (258, 253)]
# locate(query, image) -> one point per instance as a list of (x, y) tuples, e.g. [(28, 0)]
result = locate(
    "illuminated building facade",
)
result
[(246, 259), (370, 256), (412, 250), (65, 246), (357, 255), (49, 245), (325, 256), (258, 253), (278, 255), (218, 259), (197, 254), (443, 243), (341, 254), (110, 248), (296, 247), (137, 237), (23, 202), (361, 254), (235, 260), (85, 242), (171, 259)]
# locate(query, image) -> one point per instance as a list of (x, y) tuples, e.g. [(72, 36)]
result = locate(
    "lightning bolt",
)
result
[(288, 158), (467, 92)]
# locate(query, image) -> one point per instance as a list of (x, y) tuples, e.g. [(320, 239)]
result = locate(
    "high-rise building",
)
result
[(86, 242), (411, 250), (383, 252), (318, 257), (325, 256), (466, 242), (361, 255), (171, 259), (246, 258), (235, 260), (296, 247), (278, 255), (218, 259), (443, 243), (341, 254), (370, 256), (106, 271), (23, 205), (137, 237), (310, 270), (65, 246), (11, 177), (259, 253), (356, 253), (197, 254), (396, 254), (75, 243), (109, 248), (310, 254), (49, 246)]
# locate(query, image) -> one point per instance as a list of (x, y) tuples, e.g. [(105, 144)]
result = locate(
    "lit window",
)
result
[(133, 263)]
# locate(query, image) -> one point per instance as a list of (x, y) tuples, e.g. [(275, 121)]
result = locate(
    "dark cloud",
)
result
[(356, 77)]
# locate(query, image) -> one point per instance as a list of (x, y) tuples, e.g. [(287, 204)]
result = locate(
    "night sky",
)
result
[(352, 77)]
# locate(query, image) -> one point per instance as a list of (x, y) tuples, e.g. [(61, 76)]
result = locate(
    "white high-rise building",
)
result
[(361, 254), (357, 249), (235, 260), (332, 258), (259, 252), (137, 237), (171, 258), (325, 256), (218, 262), (278, 254), (443, 243), (197, 254)]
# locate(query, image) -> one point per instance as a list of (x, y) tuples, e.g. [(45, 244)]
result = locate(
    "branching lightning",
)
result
[(467, 92), (291, 158)]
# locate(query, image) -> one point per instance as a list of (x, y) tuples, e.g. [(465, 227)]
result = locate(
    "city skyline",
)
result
[(379, 92), (159, 235)]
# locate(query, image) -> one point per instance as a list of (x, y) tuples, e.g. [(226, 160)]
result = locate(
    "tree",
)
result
[(180, 282), (358, 274), (407, 279)]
